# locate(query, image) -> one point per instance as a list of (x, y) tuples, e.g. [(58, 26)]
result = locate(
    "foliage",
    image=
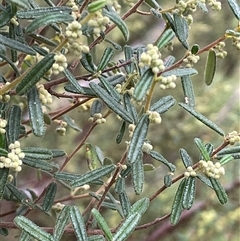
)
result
[(41, 87)]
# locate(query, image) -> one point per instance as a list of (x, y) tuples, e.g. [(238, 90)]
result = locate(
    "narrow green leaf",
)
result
[(202, 149), (181, 29), (40, 11), (169, 61), (225, 159), (229, 150), (138, 174), (14, 122), (179, 72), (114, 44), (93, 159), (157, 156), (47, 19), (143, 85), (128, 52), (177, 203), (111, 103), (195, 48), (93, 175), (168, 180), (102, 224), (5, 15), (120, 185), (9, 61), (185, 158), (96, 5), (35, 113), (84, 90), (35, 74), (38, 164), (21, 3), (165, 38), (71, 123), (13, 44), (140, 206), (72, 80), (57, 153), (203, 119), (96, 238), (219, 190), (20, 195), (24, 236), (235, 7), (130, 107), (205, 180), (37, 153), (163, 105), (87, 62), (4, 232), (125, 203), (189, 193), (32, 229), (61, 223), (188, 90), (115, 18), (202, 6), (138, 139), (78, 224), (107, 55), (13, 36), (3, 180), (210, 67), (110, 89), (121, 133), (155, 13), (49, 196)]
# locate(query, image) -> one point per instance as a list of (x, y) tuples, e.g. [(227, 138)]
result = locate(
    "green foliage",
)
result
[(59, 63)]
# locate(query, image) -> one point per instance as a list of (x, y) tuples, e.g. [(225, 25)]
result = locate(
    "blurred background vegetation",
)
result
[(207, 220)]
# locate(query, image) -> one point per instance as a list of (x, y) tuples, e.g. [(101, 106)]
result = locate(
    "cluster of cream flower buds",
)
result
[(152, 59), (117, 7), (5, 97), (221, 52), (236, 42), (98, 22), (154, 117), (233, 137), (44, 96), (211, 169), (167, 82), (147, 147), (60, 63), (190, 172), (215, 5), (73, 5), (131, 129), (61, 130), (97, 118), (191, 59), (3, 124), (14, 158)]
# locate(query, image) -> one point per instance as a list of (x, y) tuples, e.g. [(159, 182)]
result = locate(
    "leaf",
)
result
[(185, 158), (229, 150), (47, 19), (21, 3), (35, 74), (57, 153), (72, 80), (202, 6), (165, 38), (202, 149), (24, 236), (203, 119), (84, 90), (188, 90), (111, 103), (96, 5), (35, 113), (78, 224), (225, 159), (10, 62), (102, 224), (205, 180), (140, 206), (13, 44), (3, 180), (179, 72), (181, 29), (115, 18), (195, 48), (169, 61), (32, 229), (189, 193), (168, 180), (143, 85), (37, 153), (40, 11), (163, 105), (38, 164), (157, 156), (61, 223), (138, 174), (14, 122), (5, 15), (219, 190), (20, 195), (153, 4), (125, 203), (234, 5), (71, 123), (138, 139), (96, 238), (107, 55), (4, 232), (128, 52), (49, 196), (210, 67), (130, 107), (177, 203), (121, 133), (93, 175), (93, 159)]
